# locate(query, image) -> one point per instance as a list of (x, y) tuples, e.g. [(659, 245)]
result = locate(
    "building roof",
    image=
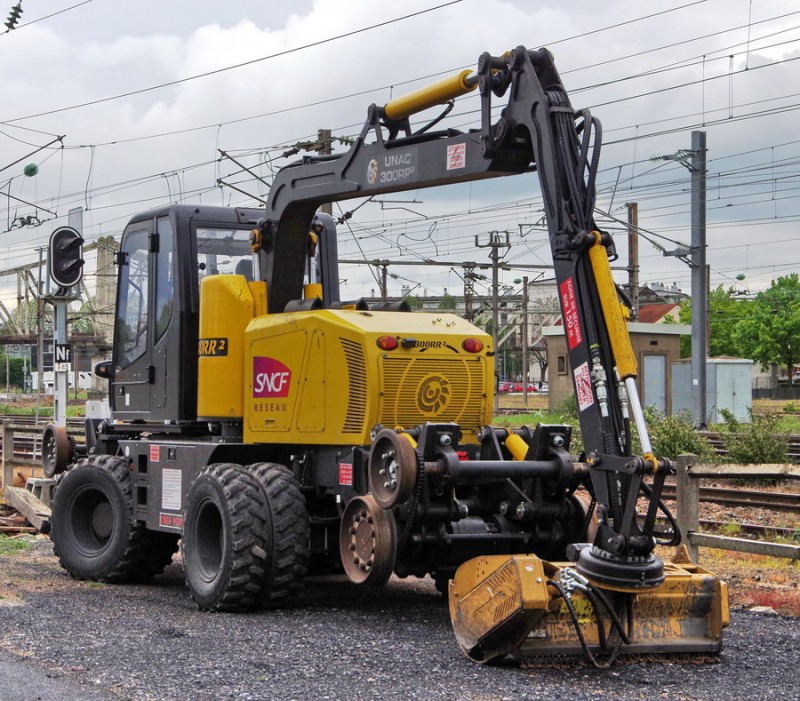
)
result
[(655, 313)]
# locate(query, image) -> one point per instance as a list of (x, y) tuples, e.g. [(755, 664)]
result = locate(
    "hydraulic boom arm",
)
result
[(537, 130)]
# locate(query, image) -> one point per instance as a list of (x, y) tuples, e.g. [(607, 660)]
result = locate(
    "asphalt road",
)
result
[(149, 643), (22, 680)]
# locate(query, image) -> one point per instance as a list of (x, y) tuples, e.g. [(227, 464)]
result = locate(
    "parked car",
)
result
[(504, 386), (520, 386)]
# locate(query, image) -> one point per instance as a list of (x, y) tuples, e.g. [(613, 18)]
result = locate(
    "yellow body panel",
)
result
[(319, 377), (228, 304)]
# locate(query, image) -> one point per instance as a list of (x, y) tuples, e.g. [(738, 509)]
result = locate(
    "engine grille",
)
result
[(357, 382), (432, 388)]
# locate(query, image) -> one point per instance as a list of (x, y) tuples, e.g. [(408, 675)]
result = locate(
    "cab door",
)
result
[(144, 310)]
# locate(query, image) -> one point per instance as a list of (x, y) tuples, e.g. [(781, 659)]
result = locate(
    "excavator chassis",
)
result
[(524, 606)]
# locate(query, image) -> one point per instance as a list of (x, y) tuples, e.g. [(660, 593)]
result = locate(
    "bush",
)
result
[(673, 435), (760, 442)]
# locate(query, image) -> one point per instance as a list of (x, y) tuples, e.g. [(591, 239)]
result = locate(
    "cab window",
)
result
[(132, 316), (165, 276)]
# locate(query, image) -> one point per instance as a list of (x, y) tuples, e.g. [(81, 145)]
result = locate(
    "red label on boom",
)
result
[(569, 305)]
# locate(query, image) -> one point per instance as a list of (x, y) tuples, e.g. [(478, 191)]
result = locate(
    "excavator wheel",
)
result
[(367, 541), (286, 533), (57, 450), (224, 552), (91, 524)]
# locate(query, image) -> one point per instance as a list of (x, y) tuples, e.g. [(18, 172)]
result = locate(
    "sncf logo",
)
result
[(271, 378)]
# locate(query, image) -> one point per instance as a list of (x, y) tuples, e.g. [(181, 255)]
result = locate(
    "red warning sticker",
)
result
[(346, 474), (170, 520), (155, 453), (569, 305)]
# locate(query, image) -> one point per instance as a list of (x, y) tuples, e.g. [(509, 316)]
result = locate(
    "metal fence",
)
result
[(687, 479)]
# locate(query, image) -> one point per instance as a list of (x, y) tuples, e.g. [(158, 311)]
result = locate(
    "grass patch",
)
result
[(10, 546), (730, 530)]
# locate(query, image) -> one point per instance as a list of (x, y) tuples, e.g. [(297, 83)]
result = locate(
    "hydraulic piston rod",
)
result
[(430, 96)]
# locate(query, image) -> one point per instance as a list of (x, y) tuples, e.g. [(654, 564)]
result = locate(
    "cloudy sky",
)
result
[(143, 96)]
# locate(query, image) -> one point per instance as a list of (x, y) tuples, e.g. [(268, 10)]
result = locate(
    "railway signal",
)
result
[(65, 259)]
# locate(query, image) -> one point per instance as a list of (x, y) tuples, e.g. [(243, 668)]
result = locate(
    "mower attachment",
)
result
[(522, 605)]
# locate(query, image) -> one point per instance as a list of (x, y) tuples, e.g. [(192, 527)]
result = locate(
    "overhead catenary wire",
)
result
[(198, 191)]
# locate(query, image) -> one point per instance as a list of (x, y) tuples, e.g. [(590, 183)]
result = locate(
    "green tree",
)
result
[(16, 371), (448, 303), (724, 312), (82, 321), (770, 330), (413, 301)]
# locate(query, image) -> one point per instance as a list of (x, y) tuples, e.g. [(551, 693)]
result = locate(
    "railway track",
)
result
[(753, 498), (756, 529)]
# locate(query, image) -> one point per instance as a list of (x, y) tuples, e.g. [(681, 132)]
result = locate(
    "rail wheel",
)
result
[(223, 538), (367, 541), (286, 533), (392, 468), (91, 522), (57, 450), (586, 514)]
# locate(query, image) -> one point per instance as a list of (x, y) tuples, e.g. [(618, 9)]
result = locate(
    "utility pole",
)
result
[(699, 295), (384, 279), (325, 149), (469, 290), (695, 256), (497, 240), (525, 341), (633, 257)]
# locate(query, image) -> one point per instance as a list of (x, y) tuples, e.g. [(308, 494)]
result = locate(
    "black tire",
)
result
[(286, 534), (223, 538), (91, 523)]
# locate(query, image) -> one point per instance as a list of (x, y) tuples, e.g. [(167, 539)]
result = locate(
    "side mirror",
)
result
[(104, 369)]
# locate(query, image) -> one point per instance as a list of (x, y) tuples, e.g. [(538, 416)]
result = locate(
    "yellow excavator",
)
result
[(276, 429)]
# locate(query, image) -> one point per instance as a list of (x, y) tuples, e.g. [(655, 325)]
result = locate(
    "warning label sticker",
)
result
[(170, 520), (456, 156), (346, 474), (171, 489), (569, 305), (583, 386)]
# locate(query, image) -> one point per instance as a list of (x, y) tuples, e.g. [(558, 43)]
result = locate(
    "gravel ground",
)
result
[(143, 643)]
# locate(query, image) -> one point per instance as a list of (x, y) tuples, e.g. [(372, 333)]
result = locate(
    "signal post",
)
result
[(65, 266)]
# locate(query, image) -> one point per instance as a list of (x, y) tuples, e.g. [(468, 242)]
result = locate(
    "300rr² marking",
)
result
[(212, 346)]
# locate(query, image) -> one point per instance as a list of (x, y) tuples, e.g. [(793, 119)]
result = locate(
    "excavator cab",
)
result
[(164, 255)]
